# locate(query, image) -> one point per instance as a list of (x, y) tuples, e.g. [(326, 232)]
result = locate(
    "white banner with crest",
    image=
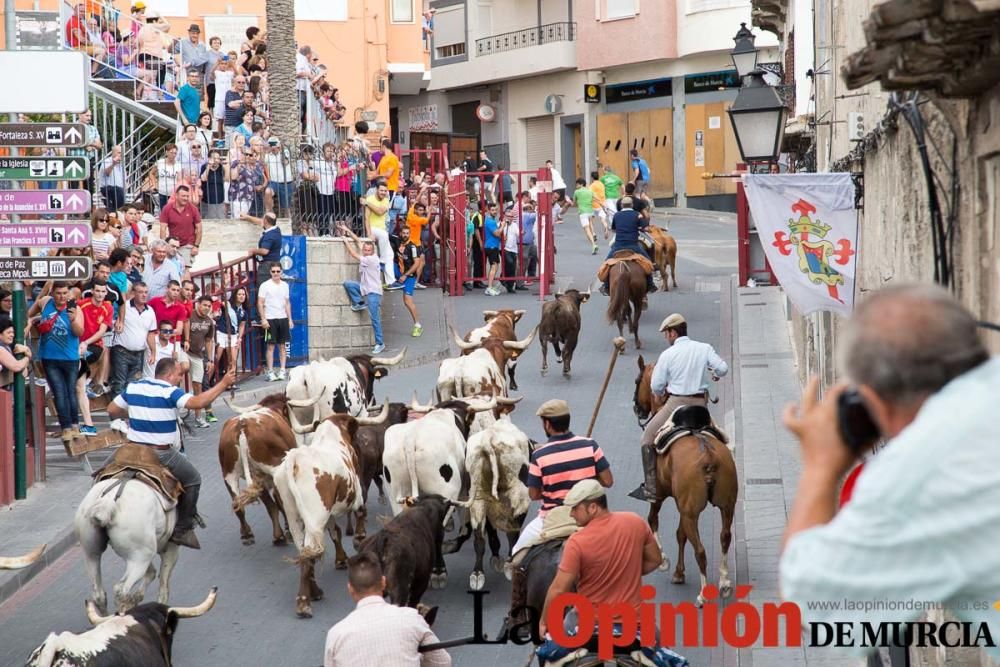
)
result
[(808, 227)]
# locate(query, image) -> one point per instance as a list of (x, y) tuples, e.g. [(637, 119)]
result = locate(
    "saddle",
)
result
[(684, 421), (536, 550), (139, 462), (557, 526), (624, 256)]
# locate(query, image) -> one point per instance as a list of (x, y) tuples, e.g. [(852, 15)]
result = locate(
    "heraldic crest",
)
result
[(814, 253)]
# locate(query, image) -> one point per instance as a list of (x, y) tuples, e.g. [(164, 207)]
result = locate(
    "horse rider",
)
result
[(627, 223), (554, 467), (604, 562), (680, 372), (151, 407)]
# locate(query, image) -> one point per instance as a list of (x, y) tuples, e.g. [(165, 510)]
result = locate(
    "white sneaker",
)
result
[(271, 377), (281, 374), (201, 423), (119, 425)]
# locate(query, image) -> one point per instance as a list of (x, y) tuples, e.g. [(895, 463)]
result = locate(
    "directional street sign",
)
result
[(43, 134), (67, 202), (37, 235), (45, 268), (44, 168)]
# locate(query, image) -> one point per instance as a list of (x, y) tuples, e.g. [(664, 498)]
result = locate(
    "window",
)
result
[(402, 11), (449, 32), (451, 50), (694, 6), (620, 9), (321, 10)]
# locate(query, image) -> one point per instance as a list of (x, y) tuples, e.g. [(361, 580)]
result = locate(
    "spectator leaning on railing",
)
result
[(10, 365)]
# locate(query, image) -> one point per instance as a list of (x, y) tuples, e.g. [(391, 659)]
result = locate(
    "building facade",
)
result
[(583, 83)]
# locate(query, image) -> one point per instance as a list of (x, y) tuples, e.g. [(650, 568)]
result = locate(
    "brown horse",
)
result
[(697, 470), (665, 255), (645, 403), (626, 288)]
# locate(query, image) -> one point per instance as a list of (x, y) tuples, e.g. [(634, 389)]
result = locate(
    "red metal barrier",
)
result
[(746, 237), (6, 448)]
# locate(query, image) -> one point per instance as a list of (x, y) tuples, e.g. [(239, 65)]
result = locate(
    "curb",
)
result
[(64, 541), (717, 216)]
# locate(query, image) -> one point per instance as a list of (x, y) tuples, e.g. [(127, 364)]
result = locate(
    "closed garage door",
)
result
[(540, 141)]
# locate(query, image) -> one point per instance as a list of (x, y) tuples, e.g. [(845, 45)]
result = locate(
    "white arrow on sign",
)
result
[(77, 269), (74, 167), (73, 135), (75, 235), (74, 202)]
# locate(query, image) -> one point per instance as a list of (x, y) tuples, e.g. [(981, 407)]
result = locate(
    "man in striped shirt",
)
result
[(151, 407)]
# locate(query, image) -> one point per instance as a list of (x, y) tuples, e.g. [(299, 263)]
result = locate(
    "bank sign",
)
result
[(638, 90)]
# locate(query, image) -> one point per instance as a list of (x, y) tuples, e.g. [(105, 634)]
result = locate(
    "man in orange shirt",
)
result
[(597, 187), (416, 220), (388, 167), (606, 560)]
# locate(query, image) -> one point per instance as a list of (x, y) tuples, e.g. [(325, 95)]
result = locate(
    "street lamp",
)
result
[(758, 118), (744, 54)]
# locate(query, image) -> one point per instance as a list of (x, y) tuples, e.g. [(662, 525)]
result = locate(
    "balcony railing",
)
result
[(521, 39)]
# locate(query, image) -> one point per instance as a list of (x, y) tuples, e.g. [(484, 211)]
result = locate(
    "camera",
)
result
[(71, 304), (855, 423), (225, 59)]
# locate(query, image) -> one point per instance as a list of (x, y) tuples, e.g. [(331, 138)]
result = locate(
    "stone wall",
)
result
[(334, 329), (233, 235)]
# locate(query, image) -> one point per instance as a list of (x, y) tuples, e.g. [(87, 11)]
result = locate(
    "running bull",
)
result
[(560, 325)]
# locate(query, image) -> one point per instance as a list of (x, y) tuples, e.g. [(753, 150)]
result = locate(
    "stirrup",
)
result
[(639, 493)]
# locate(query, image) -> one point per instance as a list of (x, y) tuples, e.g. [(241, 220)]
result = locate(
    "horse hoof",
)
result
[(278, 541), (558, 360), (477, 581), (725, 590), (248, 540), (566, 374), (545, 371), (677, 579), (699, 601), (439, 579), (304, 612), (498, 564), (665, 565)]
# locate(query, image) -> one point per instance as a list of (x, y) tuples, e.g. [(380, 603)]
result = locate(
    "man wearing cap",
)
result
[(194, 55), (605, 561), (554, 467), (680, 372)]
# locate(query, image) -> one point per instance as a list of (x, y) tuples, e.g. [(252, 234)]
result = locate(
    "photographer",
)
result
[(60, 326), (922, 523)]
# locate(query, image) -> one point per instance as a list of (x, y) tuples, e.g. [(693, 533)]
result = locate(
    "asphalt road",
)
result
[(253, 622)]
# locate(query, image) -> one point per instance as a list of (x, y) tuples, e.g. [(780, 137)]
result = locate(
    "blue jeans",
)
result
[(661, 656), (372, 300), (282, 192), (61, 376)]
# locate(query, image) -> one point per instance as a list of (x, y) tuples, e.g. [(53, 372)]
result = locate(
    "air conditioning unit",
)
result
[(855, 126)]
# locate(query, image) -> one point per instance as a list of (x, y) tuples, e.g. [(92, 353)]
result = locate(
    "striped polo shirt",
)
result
[(562, 462), (152, 410)]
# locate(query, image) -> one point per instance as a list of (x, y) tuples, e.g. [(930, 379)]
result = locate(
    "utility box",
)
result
[(855, 126)]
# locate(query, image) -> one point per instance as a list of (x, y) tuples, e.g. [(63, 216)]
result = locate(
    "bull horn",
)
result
[(390, 361), (239, 409), (415, 405), (519, 313), (192, 612), (373, 421), (303, 402), (299, 429), (503, 400), (589, 287), (17, 562), (478, 406), (463, 344), (487, 314), (521, 345), (93, 615)]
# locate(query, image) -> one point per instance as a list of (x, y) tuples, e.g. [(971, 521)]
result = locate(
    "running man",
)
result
[(583, 199)]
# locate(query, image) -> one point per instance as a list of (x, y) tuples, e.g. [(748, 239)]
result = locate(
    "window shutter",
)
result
[(540, 140), (449, 26), (617, 9)]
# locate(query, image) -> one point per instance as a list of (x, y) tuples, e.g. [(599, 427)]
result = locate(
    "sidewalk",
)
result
[(765, 379)]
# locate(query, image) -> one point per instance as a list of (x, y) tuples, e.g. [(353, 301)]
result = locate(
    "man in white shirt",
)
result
[(112, 180), (165, 347), (923, 520), (680, 372), (303, 75), (134, 338), (377, 633), (275, 309), (558, 184), (167, 171)]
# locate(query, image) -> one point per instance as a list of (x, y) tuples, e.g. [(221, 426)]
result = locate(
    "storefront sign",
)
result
[(592, 93), (711, 81), (639, 90), (423, 118)]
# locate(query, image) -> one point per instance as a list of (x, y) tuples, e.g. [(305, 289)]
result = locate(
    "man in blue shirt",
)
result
[(626, 225), (492, 233), (151, 408), (188, 102), (640, 174), (268, 250)]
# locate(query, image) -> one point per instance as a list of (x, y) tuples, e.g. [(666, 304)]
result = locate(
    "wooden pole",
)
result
[(619, 344)]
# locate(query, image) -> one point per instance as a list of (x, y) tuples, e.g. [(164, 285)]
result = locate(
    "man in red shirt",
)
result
[(181, 219), (606, 561), (98, 318), (76, 27), (170, 307)]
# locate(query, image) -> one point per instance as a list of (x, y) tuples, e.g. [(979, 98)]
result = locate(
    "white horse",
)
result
[(138, 524)]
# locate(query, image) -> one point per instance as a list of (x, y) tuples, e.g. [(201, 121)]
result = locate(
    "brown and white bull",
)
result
[(497, 462), (18, 562), (560, 325), (144, 636), (251, 446), (344, 385), (317, 484), (480, 371), (499, 325)]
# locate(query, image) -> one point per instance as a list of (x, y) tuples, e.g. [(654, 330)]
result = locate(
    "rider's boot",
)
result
[(187, 508), (650, 286), (649, 473), (518, 597)]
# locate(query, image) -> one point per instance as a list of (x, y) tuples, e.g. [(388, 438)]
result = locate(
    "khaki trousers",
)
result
[(661, 417)]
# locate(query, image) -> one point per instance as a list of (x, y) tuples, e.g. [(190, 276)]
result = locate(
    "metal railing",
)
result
[(521, 39)]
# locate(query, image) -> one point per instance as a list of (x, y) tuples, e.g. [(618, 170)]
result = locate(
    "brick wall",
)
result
[(334, 329)]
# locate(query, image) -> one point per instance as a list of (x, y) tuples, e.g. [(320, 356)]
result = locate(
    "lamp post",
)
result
[(744, 53), (758, 117)]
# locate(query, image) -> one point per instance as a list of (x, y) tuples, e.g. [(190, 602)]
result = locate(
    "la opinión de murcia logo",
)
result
[(739, 624)]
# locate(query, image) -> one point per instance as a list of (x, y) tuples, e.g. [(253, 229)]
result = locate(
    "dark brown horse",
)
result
[(696, 470), (626, 289)]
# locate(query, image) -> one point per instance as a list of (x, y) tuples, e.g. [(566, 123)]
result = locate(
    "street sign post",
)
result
[(65, 202), (45, 235), (46, 268), (65, 135), (44, 168)]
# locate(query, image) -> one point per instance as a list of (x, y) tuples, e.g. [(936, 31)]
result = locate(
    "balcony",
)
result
[(511, 55), (522, 39)]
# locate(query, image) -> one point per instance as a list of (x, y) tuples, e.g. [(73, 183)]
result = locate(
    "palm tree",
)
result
[(284, 101)]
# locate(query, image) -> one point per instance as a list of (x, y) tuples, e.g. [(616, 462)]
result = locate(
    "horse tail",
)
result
[(619, 294), (709, 463), (103, 511)]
